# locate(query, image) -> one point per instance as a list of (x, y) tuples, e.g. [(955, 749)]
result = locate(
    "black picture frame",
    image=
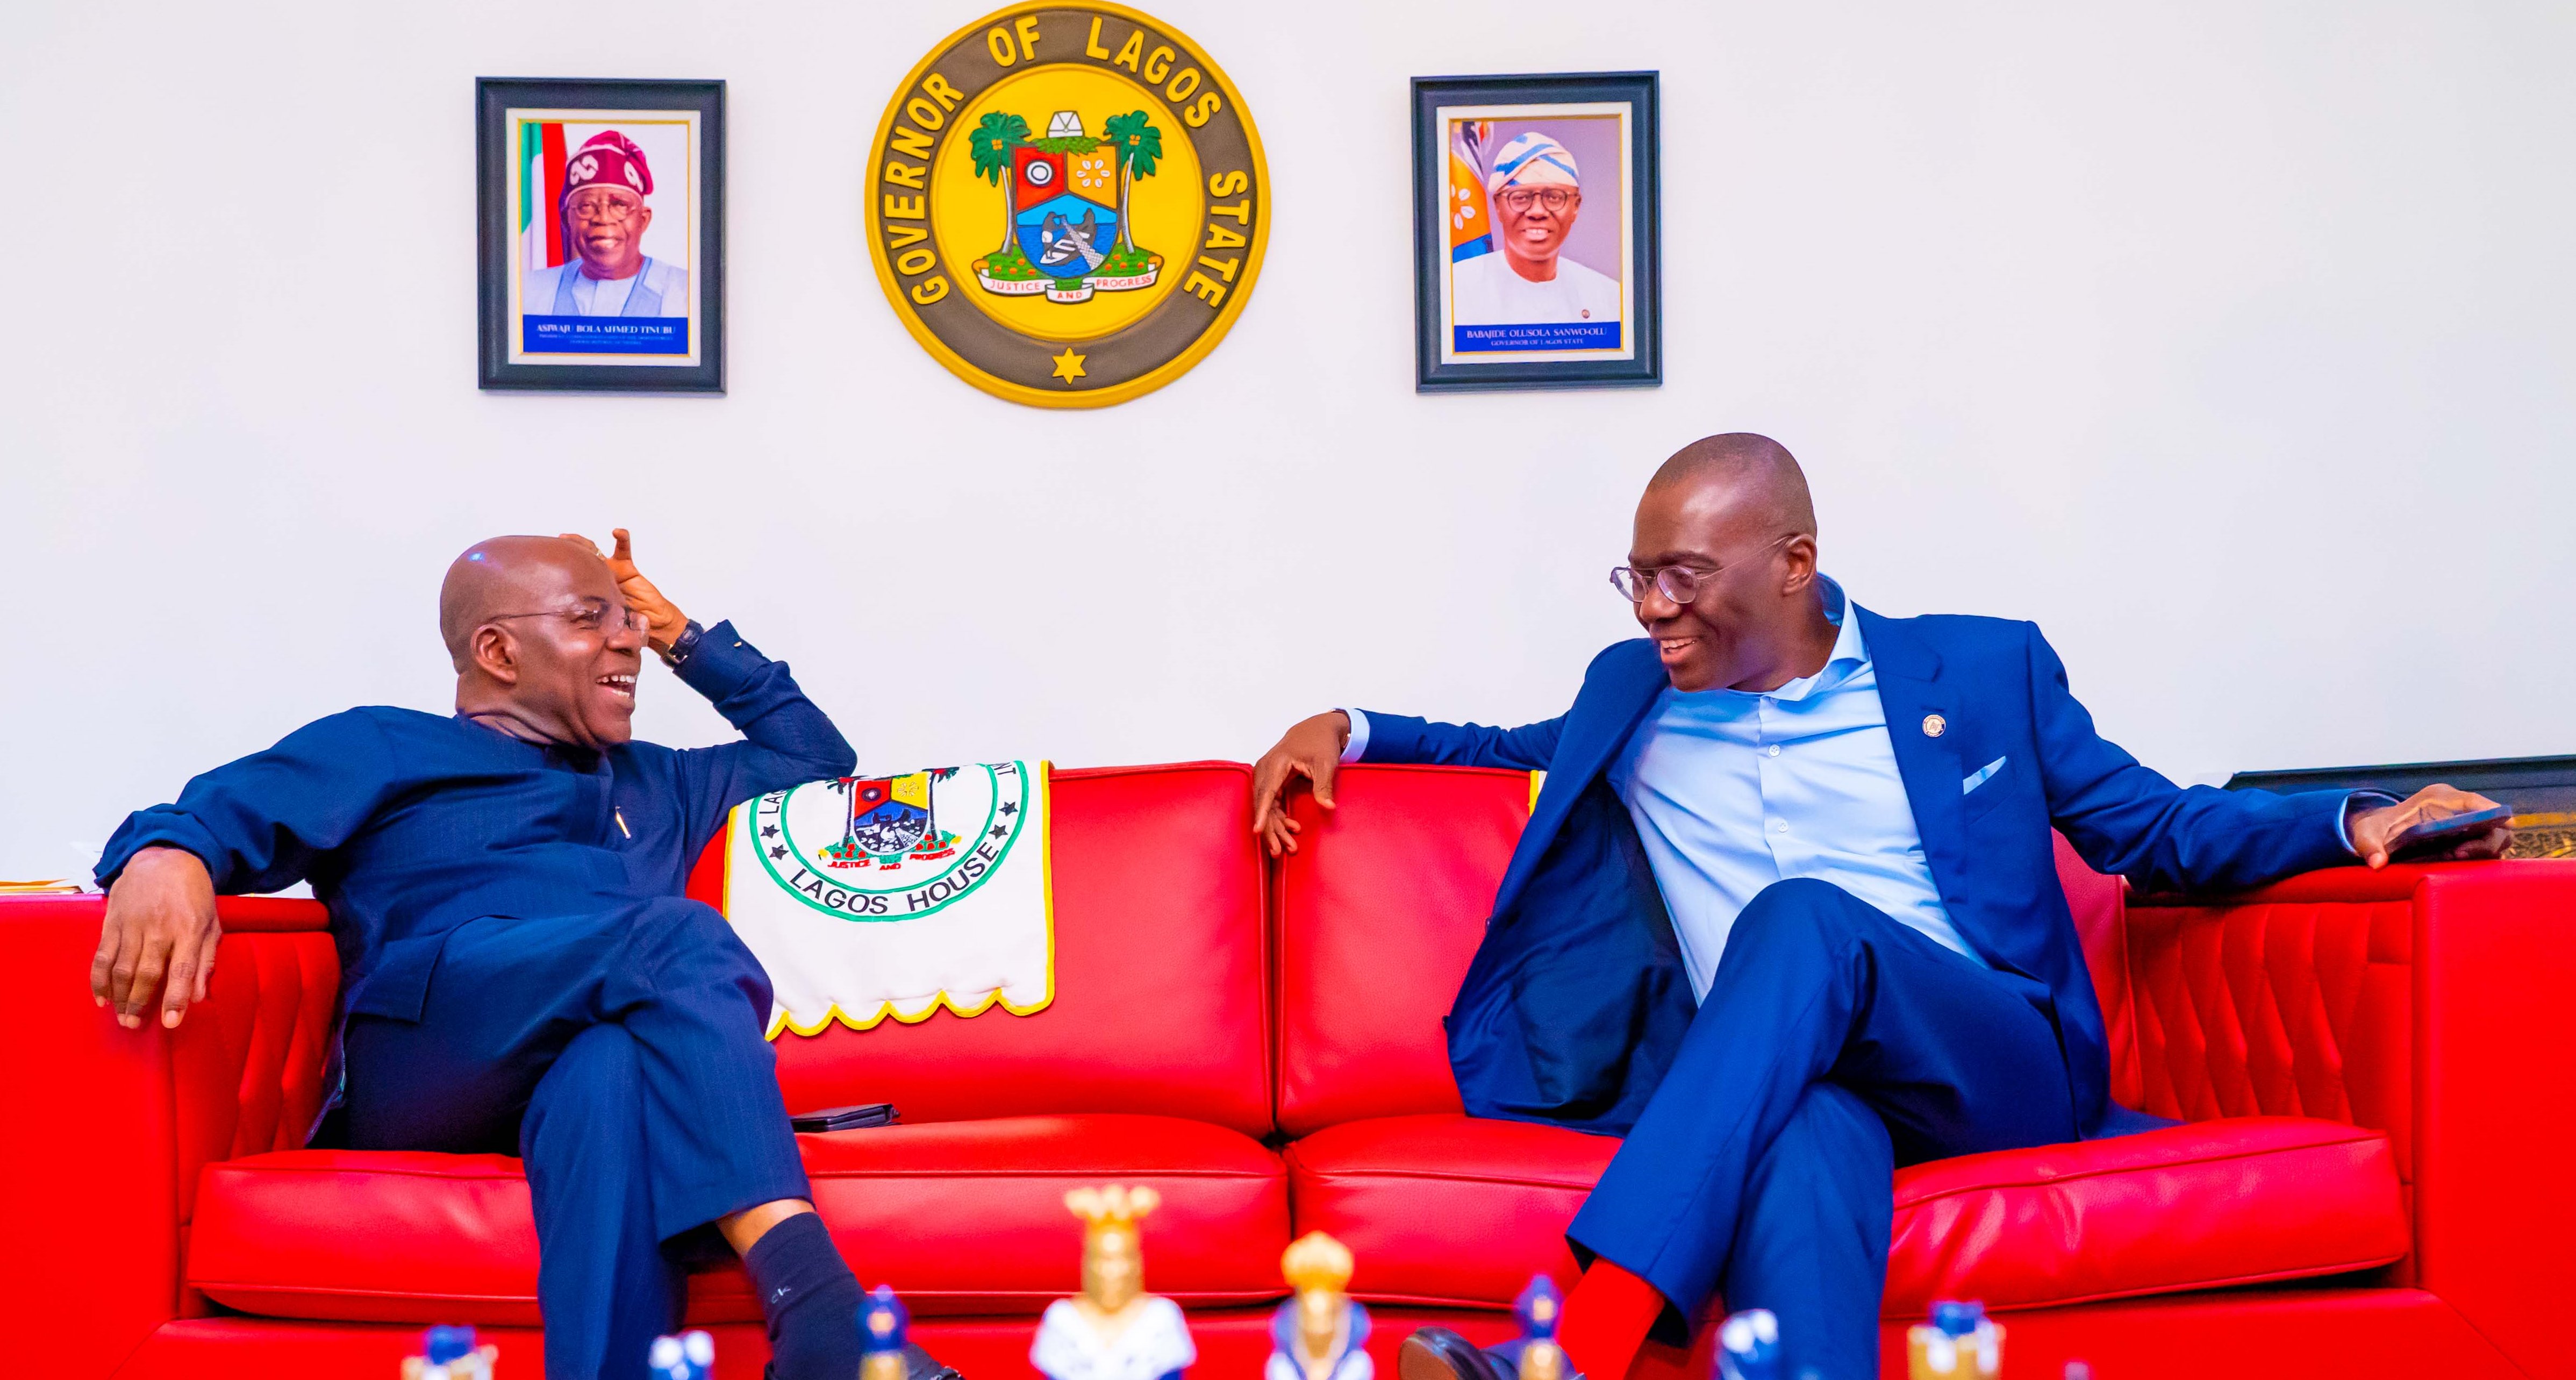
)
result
[(1644, 368), (496, 234)]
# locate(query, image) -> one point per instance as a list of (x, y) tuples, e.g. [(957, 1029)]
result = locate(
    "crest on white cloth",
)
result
[(866, 897)]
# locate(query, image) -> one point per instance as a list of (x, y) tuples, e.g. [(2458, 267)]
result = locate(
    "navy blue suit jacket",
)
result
[(1577, 997)]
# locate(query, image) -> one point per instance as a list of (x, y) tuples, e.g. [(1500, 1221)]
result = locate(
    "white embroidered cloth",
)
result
[(897, 895)]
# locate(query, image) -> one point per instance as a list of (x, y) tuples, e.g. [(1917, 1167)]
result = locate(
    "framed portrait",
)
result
[(1535, 232), (599, 213)]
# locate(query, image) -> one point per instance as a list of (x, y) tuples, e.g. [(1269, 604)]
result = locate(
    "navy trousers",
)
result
[(1834, 1045), (621, 1056)]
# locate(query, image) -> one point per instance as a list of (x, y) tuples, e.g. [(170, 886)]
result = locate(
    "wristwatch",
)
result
[(682, 645)]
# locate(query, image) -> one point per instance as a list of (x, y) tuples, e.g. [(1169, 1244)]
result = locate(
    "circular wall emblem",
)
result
[(1069, 205)]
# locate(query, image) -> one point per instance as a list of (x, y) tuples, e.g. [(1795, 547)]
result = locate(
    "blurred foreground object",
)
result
[(1114, 1330), (1320, 1333), (1961, 1341), (449, 1353)]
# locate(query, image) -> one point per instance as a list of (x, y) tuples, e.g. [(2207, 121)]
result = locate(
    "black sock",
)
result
[(810, 1298)]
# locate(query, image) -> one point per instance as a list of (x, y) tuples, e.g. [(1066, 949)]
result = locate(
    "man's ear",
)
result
[(1798, 553), (496, 654)]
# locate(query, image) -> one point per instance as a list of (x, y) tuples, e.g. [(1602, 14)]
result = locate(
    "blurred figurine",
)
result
[(884, 1328), (1539, 1307), (449, 1353), (1320, 1333), (1961, 1342), (689, 1356), (1115, 1330), (1748, 1346)]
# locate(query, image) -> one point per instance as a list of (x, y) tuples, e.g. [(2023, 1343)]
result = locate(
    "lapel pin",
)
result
[(1934, 725)]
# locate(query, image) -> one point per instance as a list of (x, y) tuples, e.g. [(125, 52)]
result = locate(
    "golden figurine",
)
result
[(1114, 1330), (1320, 1333), (1961, 1343)]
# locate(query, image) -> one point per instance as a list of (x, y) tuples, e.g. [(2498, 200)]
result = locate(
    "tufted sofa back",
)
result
[(2274, 1008)]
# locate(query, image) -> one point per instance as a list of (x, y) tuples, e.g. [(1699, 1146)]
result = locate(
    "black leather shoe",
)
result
[(921, 1365), (1436, 1353)]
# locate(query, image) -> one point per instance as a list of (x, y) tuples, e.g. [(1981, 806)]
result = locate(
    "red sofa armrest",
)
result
[(2426, 1001), (2495, 1101), (110, 1126)]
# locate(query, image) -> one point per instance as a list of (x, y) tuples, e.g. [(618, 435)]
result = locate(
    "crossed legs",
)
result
[(1834, 1045), (620, 1054)]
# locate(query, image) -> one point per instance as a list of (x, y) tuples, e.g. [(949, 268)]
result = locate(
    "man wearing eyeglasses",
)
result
[(605, 217), (1786, 915), (1537, 192), (521, 973)]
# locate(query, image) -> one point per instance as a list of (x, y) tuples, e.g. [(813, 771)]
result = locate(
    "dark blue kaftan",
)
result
[(520, 973)]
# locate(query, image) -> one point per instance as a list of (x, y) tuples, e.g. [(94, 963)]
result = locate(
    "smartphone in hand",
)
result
[(2438, 835)]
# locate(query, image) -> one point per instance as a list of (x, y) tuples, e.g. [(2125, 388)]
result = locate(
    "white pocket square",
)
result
[(1980, 776)]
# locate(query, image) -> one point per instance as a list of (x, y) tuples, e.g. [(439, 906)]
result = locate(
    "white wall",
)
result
[(2230, 341)]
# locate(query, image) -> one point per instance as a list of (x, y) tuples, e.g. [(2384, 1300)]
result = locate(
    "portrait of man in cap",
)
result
[(1535, 190), (606, 209)]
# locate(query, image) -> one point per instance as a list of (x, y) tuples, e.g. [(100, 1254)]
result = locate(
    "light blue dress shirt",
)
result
[(1733, 790)]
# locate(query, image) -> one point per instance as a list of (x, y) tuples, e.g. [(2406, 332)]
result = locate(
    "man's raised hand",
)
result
[(663, 620), (160, 938), (1313, 750), (2372, 830)]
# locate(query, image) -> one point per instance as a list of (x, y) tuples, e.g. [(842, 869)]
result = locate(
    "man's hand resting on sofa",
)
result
[(2371, 830), (160, 937), (1313, 750)]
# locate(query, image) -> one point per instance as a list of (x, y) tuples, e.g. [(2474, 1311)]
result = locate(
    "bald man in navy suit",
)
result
[(1786, 915)]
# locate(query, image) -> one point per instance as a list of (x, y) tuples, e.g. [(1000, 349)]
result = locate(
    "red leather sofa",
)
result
[(2373, 1176)]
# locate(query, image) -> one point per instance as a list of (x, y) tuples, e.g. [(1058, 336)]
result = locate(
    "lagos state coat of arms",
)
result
[(1068, 205)]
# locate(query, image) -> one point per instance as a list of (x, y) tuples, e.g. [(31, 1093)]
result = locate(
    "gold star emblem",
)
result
[(1068, 366)]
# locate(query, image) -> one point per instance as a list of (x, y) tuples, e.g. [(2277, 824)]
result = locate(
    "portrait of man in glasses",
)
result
[(1536, 190), (606, 210)]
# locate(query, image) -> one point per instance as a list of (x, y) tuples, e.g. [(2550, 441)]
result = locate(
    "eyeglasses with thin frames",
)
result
[(591, 617), (602, 209), (1679, 583)]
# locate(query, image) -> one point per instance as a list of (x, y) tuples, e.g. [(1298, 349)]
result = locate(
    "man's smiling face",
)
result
[(1733, 623), (607, 225), (1533, 229)]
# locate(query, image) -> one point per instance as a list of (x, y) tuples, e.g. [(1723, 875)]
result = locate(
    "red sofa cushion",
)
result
[(2188, 1207), (961, 1217), (1446, 1209), (1161, 995), (1380, 909), (1450, 1210)]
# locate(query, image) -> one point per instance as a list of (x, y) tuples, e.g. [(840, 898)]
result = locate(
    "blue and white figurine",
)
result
[(885, 1326), (688, 1356), (1748, 1346), (1539, 1308), (450, 1353), (1114, 1330), (1321, 1332)]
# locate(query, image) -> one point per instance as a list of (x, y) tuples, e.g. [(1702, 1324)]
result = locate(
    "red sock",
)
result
[(1606, 1321)]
